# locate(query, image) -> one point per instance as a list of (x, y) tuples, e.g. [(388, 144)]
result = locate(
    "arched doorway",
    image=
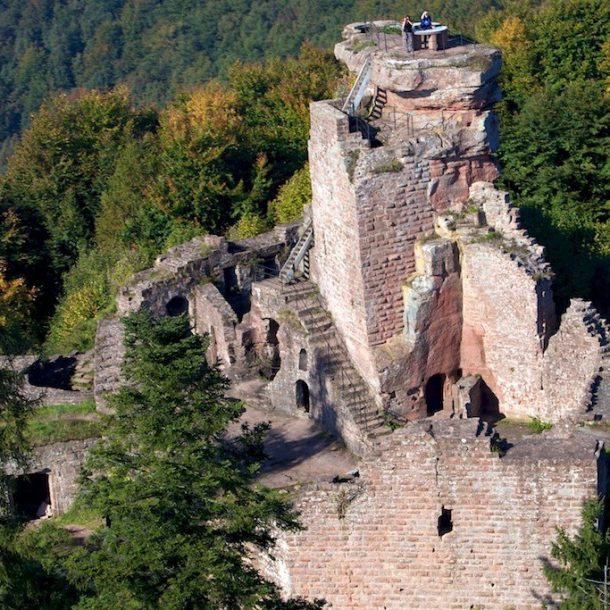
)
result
[(302, 395), (303, 360), (31, 495), (434, 394), (177, 306)]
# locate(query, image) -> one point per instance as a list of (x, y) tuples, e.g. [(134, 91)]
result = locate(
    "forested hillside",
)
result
[(159, 47)]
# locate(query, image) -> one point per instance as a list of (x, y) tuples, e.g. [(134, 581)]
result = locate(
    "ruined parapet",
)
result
[(165, 289), (439, 505), (173, 276), (511, 338), (575, 367), (211, 314)]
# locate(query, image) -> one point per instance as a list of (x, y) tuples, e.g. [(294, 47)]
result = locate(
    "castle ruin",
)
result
[(407, 315)]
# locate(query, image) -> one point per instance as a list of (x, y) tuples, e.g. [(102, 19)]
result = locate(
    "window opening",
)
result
[(445, 523)]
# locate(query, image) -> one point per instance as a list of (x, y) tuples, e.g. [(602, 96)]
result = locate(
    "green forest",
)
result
[(130, 126)]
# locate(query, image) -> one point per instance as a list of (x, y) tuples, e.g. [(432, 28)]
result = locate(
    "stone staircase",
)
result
[(357, 92), (108, 359), (304, 300), (84, 372)]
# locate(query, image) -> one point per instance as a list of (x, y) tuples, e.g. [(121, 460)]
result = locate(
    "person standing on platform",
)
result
[(407, 33)]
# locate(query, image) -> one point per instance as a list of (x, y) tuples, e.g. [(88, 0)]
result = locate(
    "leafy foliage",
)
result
[(96, 188), (555, 134), (293, 196)]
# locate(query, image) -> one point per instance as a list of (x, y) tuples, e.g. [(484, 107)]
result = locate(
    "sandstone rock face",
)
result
[(461, 78)]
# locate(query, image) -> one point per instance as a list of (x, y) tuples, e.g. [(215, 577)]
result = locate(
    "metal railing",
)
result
[(298, 253), (358, 90)]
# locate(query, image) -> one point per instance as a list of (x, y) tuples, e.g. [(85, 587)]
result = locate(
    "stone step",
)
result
[(317, 327), (303, 295)]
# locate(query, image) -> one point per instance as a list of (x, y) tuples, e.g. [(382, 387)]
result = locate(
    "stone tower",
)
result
[(376, 194)]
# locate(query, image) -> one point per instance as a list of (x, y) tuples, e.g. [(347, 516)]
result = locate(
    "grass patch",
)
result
[(537, 426), (533, 424), (289, 317), (363, 44), (79, 514), (393, 166), (489, 237), (62, 423)]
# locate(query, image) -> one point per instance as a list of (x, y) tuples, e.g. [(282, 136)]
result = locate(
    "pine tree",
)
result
[(582, 564), (182, 509)]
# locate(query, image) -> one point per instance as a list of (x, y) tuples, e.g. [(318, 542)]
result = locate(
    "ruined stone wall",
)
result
[(393, 212), (374, 544), (63, 463), (573, 362), (213, 315), (57, 380), (535, 367), (310, 352), (501, 340), (333, 156)]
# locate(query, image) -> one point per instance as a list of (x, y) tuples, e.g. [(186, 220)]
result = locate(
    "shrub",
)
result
[(90, 290), (293, 196), (249, 225)]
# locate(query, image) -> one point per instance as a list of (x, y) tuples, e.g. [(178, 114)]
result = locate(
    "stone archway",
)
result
[(302, 395)]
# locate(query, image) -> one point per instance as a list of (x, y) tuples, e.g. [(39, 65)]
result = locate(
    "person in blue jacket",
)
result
[(425, 21)]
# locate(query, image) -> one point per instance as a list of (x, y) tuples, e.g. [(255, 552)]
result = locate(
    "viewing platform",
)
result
[(400, 94), (395, 68)]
